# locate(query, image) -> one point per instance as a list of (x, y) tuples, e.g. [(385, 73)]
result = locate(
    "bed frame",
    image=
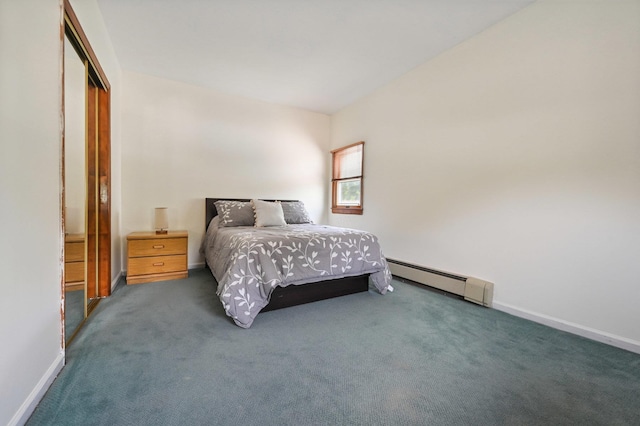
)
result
[(293, 295)]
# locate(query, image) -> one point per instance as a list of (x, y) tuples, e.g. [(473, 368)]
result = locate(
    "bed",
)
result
[(262, 268)]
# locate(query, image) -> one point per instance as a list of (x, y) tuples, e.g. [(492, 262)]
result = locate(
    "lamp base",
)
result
[(161, 231)]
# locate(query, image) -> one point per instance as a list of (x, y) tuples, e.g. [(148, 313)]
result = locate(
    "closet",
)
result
[(86, 164)]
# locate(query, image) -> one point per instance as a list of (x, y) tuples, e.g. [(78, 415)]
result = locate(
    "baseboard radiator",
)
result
[(472, 289)]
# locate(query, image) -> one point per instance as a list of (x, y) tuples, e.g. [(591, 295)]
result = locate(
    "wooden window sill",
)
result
[(346, 210)]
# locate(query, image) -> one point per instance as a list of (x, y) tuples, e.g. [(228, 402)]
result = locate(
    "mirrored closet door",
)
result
[(75, 189), (86, 173)]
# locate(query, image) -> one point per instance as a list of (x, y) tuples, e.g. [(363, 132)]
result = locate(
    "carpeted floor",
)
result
[(165, 354), (74, 311)]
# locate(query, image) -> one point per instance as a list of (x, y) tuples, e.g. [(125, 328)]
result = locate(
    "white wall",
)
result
[(75, 141), (515, 157), (31, 243), (183, 143), (30, 213)]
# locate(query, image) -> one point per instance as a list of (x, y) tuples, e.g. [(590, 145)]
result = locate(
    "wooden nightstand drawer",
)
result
[(73, 272), (157, 247), (74, 251), (74, 267), (157, 264), (156, 257)]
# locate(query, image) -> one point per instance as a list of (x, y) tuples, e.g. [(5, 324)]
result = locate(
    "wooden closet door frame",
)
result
[(98, 162)]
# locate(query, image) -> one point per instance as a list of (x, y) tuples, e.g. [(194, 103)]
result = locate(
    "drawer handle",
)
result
[(158, 264), (159, 246)]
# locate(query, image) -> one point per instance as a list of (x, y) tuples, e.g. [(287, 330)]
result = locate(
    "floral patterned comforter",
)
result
[(249, 262)]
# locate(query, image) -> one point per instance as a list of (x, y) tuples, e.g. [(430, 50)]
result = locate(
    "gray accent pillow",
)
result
[(235, 213), (295, 212), (268, 213)]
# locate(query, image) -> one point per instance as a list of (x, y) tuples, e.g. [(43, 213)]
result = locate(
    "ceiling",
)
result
[(320, 55)]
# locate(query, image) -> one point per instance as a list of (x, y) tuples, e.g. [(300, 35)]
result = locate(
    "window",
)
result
[(347, 177)]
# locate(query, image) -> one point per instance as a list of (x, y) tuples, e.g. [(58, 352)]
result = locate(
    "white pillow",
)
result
[(268, 214)]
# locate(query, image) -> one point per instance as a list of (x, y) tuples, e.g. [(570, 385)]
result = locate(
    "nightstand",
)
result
[(74, 262), (156, 257)]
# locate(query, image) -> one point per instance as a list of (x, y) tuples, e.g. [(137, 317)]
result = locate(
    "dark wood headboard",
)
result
[(210, 207)]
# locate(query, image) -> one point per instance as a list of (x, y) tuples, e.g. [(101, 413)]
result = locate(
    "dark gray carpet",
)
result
[(165, 354)]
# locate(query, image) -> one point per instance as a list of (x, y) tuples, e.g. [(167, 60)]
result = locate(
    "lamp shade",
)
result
[(161, 221)]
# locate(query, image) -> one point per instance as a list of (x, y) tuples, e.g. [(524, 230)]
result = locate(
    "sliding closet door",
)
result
[(104, 192), (75, 188), (99, 189), (96, 233)]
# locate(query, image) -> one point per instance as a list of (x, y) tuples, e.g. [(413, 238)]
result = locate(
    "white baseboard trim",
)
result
[(29, 405), (589, 333), (114, 283)]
